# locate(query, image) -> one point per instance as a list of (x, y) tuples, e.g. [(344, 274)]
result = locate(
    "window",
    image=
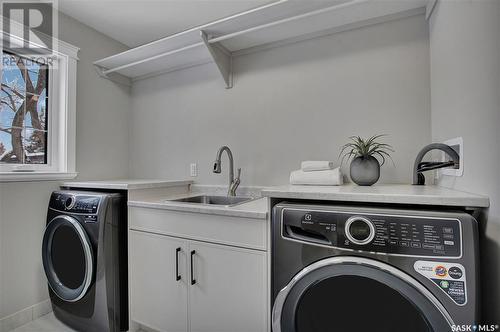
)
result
[(23, 111), (37, 112)]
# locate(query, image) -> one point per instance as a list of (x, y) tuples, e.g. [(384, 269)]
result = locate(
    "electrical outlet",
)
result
[(193, 169), (456, 144)]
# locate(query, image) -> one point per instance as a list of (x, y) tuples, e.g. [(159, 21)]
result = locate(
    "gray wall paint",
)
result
[(288, 104), (101, 152), (465, 76)]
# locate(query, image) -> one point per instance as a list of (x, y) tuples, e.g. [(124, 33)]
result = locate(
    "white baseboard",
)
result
[(25, 316)]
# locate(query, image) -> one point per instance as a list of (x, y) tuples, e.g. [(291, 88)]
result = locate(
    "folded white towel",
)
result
[(316, 165), (332, 177)]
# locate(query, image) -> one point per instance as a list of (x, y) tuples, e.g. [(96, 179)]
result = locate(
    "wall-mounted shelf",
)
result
[(275, 24)]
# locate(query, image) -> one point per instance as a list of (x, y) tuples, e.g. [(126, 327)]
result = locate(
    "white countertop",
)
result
[(255, 209), (381, 193), (126, 184)]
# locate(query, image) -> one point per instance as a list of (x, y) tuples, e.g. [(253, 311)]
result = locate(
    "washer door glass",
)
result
[(347, 296), (67, 258), (364, 304)]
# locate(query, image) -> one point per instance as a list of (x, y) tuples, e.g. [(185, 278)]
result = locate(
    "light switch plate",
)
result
[(193, 169), (456, 144)]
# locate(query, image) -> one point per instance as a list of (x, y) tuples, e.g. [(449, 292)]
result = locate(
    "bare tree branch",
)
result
[(42, 79), (17, 93), (24, 72), (13, 96), (8, 104), (7, 156), (13, 104)]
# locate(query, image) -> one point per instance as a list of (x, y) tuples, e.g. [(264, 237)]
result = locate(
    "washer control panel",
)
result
[(389, 234), (75, 203), (359, 230)]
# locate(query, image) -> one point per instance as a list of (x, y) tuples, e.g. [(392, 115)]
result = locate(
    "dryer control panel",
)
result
[(380, 233), (75, 203)]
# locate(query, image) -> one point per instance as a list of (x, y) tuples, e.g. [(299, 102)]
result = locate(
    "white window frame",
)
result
[(61, 117)]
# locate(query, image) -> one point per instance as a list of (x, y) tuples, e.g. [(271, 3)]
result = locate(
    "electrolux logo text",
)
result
[(474, 328)]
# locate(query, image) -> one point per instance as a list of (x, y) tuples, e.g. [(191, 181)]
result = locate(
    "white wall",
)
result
[(102, 152), (288, 104), (465, 81)]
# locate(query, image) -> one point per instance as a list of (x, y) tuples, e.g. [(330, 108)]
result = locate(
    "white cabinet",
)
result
[(222, 288), (158, 299), (230, 290)]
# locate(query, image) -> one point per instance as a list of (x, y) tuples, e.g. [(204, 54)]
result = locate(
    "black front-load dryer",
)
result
[(84, 258), (357, 269)]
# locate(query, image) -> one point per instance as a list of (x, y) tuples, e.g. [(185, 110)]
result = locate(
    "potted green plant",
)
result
[(365, 167)]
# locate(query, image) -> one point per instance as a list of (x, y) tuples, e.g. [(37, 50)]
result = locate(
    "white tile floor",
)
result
[(47, 323)]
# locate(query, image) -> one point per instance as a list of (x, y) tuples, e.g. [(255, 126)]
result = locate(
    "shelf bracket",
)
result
[(222, 58), (116, 78), (429, 8)]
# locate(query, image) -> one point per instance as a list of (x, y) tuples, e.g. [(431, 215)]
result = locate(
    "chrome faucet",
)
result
[(233, 182), (419, 166)]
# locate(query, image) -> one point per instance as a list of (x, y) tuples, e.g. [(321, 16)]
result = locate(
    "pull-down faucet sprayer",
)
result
[(233, 182)]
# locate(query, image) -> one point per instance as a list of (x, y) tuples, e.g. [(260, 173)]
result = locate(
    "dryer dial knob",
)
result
[(69, 202), (359, 230)]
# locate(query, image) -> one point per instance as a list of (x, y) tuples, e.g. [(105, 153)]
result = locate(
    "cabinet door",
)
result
[(229, 293), (158, 298)]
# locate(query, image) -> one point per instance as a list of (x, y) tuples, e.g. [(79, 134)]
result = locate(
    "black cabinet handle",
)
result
[(177, 275), (193, 280)]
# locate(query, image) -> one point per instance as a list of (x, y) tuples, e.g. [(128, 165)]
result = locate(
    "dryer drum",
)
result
[(67, 258), (356, 294)]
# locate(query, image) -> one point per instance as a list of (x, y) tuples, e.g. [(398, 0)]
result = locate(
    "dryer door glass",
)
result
[(358, 295), (67, 258)]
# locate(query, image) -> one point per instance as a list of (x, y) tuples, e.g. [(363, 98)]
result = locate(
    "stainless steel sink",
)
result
[(214, 200)]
